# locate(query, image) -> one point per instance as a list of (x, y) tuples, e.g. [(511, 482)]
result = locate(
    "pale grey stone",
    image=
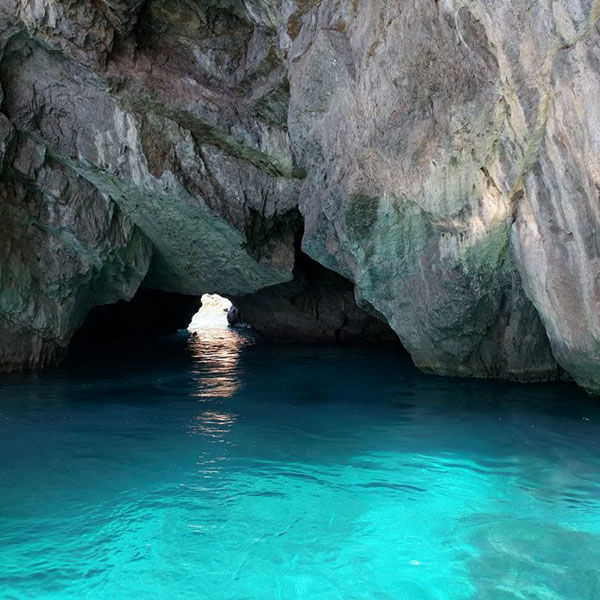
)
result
[(443, 156)]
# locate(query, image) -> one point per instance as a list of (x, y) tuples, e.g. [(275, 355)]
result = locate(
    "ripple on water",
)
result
[(217, 467), (526, 558)]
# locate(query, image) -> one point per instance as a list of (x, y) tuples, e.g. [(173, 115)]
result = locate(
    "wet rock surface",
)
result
[(442, 157)]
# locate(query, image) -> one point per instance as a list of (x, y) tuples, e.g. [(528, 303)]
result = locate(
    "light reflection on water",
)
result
[(213, 424), (216, 353), (217, 467)]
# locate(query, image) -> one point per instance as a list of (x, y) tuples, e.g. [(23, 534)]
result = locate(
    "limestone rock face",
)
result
[(63, 250), (135, 146), (442, 156), (556, 234), (318, 305), (415, 150)]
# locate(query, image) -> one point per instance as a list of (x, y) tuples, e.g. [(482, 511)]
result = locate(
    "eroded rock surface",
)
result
[(442, 156), (64, 249), (318, 305)]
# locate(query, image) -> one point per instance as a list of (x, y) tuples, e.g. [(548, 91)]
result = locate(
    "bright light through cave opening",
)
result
[(212, 313)]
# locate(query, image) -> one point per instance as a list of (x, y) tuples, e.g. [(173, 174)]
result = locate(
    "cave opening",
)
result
[(212, 313), (150, 313), (316, 306)]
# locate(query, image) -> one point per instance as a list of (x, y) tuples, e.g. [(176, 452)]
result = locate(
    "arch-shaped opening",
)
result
[(212, 313), (317, 306)]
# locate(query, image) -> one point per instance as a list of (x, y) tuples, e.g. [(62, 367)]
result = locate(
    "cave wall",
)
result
[(318, 305), (64, 248), (128, 154), (443, 157)]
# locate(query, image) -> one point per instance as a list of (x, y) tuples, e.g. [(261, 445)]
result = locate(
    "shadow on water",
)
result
[(297, 471)]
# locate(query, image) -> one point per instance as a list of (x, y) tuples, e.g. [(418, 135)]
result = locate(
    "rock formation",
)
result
[(443, 156), (318, 305)]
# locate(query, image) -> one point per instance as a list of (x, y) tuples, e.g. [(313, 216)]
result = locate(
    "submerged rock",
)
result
[(234, 318), (442, 157)]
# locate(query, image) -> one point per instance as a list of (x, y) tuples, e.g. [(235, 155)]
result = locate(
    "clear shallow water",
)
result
[(217, 468)]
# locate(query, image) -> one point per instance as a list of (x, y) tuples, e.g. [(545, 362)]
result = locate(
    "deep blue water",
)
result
[(220, 468)]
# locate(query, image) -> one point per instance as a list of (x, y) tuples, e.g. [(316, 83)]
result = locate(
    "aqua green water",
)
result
[(217, 468)]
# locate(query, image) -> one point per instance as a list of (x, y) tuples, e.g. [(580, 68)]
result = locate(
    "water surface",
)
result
[(216, 467)]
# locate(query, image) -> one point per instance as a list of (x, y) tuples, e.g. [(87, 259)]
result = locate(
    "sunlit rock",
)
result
[(440, 156)]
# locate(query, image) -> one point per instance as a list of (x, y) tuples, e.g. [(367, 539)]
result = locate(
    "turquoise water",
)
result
[(220, 468)]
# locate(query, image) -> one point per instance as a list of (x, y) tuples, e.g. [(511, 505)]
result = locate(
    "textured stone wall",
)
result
[(441, 155)]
